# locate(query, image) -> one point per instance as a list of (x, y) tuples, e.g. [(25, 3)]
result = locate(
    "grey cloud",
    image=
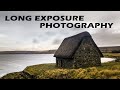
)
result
[(56, 42), (35, 41), (106, 38)]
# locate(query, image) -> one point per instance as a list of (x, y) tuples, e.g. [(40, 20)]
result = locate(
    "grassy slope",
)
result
[(109, 70)]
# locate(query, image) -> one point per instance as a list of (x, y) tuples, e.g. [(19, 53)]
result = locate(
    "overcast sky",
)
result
[(28, 36)]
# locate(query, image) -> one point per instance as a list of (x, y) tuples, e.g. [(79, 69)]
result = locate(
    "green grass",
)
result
[(111, 54), (109, 70), (15, 75), (36, 69)]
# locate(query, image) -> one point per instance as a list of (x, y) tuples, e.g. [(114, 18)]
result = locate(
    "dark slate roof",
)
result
[(71, 44)]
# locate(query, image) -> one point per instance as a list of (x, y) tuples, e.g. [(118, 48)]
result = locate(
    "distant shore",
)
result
[(28, 52), (111, 49)]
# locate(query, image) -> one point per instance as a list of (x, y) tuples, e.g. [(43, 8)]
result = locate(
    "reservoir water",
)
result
[(17, 62)]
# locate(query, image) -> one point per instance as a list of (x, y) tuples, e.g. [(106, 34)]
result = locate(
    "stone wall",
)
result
[(64, 63), (86, 55)]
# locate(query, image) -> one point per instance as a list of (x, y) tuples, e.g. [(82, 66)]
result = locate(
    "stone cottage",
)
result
[(78, 51)]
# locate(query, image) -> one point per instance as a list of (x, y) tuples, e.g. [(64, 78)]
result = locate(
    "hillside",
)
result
[(114, 49)]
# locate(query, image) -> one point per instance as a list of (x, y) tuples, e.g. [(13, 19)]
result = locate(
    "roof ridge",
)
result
[(85, 32), (70, 45)]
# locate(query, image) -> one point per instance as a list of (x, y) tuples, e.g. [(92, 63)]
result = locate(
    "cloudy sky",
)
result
[(19, 35)]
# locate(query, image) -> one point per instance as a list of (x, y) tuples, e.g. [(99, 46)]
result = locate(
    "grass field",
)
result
[(111, 54)]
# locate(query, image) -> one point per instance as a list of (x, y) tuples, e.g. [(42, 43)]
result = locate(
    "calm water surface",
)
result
[(17, 62)]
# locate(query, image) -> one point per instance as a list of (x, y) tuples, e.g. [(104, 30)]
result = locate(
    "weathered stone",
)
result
[(86, 55)]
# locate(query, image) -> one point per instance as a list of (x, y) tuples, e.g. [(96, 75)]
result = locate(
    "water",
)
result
[(107, 59), (17, 62)]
